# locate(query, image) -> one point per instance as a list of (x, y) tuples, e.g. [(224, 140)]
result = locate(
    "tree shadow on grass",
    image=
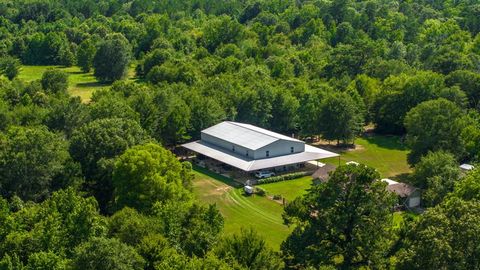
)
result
[(390, 142), (403, 177), (91, 84), (333, 147), (216, 176), (76, 72)]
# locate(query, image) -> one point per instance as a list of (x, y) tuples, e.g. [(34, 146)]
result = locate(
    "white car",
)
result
[(264, 174)]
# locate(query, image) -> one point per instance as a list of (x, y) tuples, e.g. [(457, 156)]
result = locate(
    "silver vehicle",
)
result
[(264, 174)]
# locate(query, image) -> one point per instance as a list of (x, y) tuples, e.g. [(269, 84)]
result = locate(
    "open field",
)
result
[(81, 84), (239, 211), (385, 153), (260, 213)]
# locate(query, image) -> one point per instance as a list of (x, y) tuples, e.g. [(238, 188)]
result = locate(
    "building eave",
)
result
[(246, 164)]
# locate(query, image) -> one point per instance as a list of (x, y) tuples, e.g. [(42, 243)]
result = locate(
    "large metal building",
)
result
[(250, 148)]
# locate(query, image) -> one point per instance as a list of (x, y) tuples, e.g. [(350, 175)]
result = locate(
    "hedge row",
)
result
[(280, 178)]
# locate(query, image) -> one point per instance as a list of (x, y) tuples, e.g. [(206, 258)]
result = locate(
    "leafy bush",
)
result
[(260, 191), (280, 178), (277, 197)]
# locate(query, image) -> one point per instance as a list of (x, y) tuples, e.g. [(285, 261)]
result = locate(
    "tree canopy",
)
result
[(342, 222), (146, 174), (92, 183)]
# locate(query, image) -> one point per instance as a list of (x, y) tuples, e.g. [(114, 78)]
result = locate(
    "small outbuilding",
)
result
[(467, 167), (409, 195)]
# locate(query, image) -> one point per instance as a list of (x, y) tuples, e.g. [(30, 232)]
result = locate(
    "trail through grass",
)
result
[(264, 215)]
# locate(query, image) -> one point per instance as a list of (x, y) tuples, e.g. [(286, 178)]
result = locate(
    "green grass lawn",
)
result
[(385, 153), (289, 189), (81, 84), (239, 211)]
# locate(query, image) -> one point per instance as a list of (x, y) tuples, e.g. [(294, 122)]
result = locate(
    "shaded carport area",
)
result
[(249, 165)]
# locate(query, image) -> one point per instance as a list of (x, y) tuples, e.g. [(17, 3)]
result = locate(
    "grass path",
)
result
[(241, 211)]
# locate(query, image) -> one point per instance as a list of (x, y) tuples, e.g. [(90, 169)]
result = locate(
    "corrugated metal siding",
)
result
[(279, 148)]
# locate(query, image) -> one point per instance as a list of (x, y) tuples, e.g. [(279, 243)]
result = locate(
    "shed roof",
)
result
[(401, 189), (245, 135), (467, 167)]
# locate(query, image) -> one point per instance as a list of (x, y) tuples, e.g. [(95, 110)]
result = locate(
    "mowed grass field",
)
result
[(240, 211), (80, 84), (289, 189), (387, 154)]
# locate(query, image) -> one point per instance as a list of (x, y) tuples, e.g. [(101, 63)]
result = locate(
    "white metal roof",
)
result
[(389, 181), (245, 135), (467, 167), (241, 162)]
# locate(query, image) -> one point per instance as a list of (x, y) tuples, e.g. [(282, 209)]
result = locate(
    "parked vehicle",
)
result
[(249, 190), (264, 174)]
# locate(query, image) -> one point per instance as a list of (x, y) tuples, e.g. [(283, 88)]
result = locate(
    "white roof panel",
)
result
[(389, 181), (467, 167), (240, 162), (245, 135)]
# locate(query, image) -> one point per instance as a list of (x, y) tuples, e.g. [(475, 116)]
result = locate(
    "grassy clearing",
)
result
[(239, 210), (81, 84), (289, 189), (385, 153)]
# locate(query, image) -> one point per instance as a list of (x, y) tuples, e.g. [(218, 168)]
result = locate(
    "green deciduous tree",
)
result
[(343, 222), (67, 114), (193, 228), (468, 187), (45, 261), (130, 226), (170, 120), (400, 94), (444, 237), (434, 125), (146, 174), (205, 112), (47, 233), (469, 82), (436, 174), (85, 54), (112, 58), (221, 30), (55, 81), (107, 104), (33, 162), (10, 67), (340, 118), (248, 250), (96, 144), (106, 254)]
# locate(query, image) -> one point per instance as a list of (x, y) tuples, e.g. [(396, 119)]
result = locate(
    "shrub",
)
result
[(260, 191), (277, 197), (280, 178)]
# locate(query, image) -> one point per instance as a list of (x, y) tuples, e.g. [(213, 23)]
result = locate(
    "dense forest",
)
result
[(94, 185)]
